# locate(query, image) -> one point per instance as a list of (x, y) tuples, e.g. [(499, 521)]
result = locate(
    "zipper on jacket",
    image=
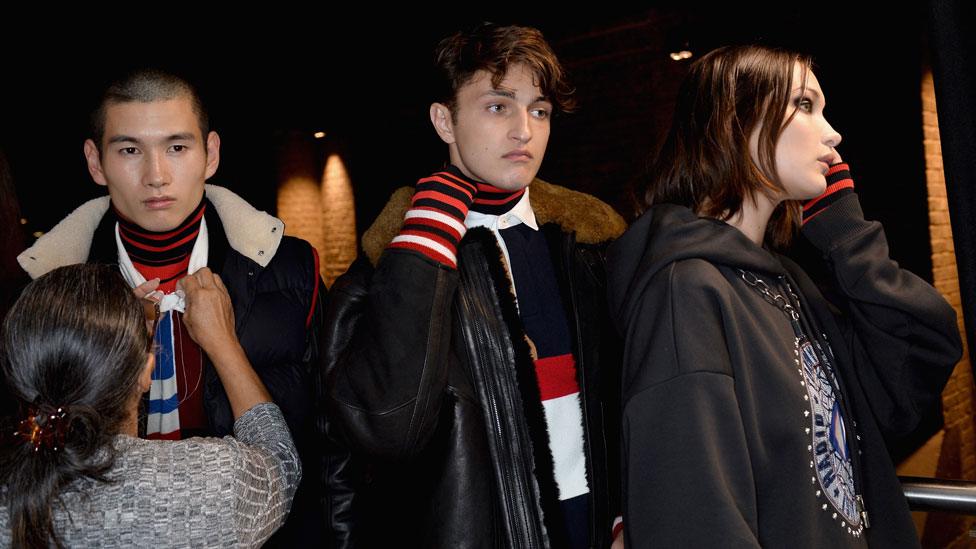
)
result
[(489, 356), (492, 403)]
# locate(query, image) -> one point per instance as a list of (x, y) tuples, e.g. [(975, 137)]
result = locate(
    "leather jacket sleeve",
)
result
[(338, 472), (386, 351)]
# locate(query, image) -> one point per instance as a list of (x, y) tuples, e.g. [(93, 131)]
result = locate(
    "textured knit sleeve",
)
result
[(266, 474)]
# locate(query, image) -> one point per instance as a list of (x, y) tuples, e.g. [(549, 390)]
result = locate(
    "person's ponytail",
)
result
[(74, 345)]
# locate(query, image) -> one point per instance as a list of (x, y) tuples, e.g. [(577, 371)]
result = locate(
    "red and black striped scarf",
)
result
[(164, 255)]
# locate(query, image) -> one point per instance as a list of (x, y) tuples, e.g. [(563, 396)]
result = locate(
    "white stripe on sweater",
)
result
[(564, 421), (427, 243), (163, 424), (438, 217)]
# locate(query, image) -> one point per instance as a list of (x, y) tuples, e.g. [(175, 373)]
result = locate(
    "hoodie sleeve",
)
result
[(687, 469), (902, 333)]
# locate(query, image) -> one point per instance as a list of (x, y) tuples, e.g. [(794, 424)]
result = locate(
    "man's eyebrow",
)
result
[(122, 139), (503, 93), (511, 94), (184, 136)]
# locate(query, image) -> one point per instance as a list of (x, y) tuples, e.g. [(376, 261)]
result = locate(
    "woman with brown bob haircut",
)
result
[(755, 411)]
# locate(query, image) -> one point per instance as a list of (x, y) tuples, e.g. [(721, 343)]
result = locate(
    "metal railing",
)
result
[(934, 494)]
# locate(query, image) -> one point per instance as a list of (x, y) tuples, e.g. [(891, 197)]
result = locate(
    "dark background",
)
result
[(362, 77)]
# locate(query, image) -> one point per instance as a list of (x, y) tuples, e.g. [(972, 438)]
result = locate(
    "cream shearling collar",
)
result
[(252, 233)]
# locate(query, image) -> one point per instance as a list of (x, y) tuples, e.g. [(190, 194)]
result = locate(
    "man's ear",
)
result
[(94, 160), (440, 117), (213, 154)]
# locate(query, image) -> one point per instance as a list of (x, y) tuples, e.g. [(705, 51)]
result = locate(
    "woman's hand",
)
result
[(147, 289), (149, 297), (209, 318), (209, 315)]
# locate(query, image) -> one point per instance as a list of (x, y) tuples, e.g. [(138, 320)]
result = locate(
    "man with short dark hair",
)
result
[(152, 148)]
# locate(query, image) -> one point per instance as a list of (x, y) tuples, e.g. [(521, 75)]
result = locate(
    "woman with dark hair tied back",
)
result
[(76, 360), (755, 411)]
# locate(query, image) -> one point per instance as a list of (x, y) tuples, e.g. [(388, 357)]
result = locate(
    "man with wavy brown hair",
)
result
[(479, 375)]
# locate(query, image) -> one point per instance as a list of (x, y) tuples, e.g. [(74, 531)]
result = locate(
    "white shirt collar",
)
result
[(175, 300), (521, 212)]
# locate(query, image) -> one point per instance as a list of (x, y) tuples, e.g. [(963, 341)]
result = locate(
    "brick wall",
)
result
[(338, 220), (315, 200), (954, 453)]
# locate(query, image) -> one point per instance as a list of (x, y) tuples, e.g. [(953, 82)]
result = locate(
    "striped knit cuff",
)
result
[(618, 526), (839, 185), (434, 225)]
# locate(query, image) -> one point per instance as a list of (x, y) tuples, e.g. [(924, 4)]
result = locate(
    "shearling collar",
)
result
[(252, 233), (592, 220)]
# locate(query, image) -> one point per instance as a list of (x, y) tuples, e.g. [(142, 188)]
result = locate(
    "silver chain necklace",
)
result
[(777, 300), (783, 304)]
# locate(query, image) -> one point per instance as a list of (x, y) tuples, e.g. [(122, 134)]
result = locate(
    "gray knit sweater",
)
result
[(200, 492)]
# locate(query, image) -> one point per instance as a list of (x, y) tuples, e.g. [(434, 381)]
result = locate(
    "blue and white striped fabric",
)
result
[(164, 414), (164, 417)]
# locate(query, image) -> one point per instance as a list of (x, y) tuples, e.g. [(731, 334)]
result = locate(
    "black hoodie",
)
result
[(726, 441)]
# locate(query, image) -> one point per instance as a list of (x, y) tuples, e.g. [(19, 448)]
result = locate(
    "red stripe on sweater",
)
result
[(557, 376), (809, 217), (164, 272), (159, 236), (427, 222), (459, 180), (441, 197), (425, 251), (837, 168), (175, 435), (831, 189), (488, 188), (168, 275), (189, 377), (177, 244), (435, 179), (315, 292), (406, 230)]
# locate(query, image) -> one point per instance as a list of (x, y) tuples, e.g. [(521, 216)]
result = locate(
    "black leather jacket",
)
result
[(431, 383)]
